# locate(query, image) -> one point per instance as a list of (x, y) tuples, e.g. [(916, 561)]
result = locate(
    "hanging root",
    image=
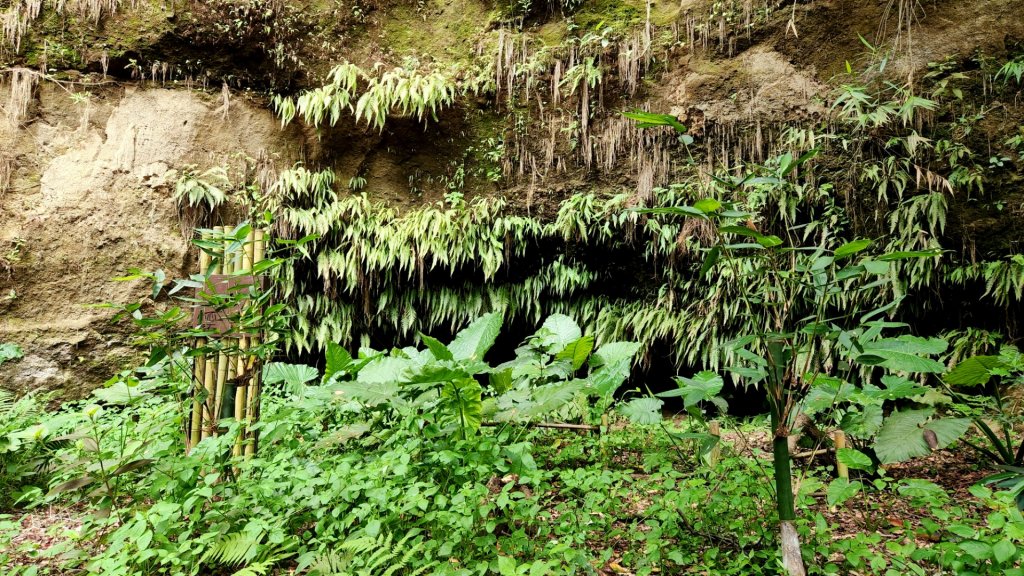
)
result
[(23, 84), (6, 172)]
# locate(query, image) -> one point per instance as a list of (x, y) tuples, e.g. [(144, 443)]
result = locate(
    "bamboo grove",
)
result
[(630, 276)]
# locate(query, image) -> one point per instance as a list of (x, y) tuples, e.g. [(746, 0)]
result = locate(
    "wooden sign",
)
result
[(219, 320)]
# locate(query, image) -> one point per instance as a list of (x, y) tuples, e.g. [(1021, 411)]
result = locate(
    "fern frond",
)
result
[(255, 569), (233, 549), (6, 403)]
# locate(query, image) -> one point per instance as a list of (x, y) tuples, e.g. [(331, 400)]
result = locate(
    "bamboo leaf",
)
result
[(851, 248), (651, 119)]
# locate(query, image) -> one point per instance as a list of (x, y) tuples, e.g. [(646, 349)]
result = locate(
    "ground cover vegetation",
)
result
[(458, 386), (429, 459)]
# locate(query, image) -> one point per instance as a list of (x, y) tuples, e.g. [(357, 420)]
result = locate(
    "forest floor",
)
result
[(610, 497)]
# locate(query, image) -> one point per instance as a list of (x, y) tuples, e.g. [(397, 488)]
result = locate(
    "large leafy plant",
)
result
[(441, 383), (890, 417), (815, 301), (995, 414), (547, 374)]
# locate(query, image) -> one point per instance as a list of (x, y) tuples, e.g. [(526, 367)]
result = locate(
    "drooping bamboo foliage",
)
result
[(375, 270), (396, 92), (623, 275)]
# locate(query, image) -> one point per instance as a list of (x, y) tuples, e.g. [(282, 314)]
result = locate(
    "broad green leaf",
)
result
[(875, 267), (980, 551), (854, 459), (294, 376), (464, 395), (122, 393), (910, 434), (607, 379), (437, 373), (577, 351), (902, 436), (947, 430), (558, 331), (1004, 551), (896, 388), (384, 369), (742, 231), (551, 397), (703, 387), (501, 381), (932, 397), (922, 489), (369, 393), (712, 258), (507, 566), (973, 371), (439, 350), (821, 263), (644, 410), (477, 338), (338, 360), (707, 205), (826, 392), (613, 352), (851, 248), (904, 354), (752, 180), (864, 422), (840, 490), (9, 351)]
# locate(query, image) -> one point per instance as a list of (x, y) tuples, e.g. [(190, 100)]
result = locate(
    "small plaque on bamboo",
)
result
[(209, 317)]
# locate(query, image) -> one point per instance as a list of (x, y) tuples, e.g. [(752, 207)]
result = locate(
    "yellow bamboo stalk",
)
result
[(200, 382), (198, 386), (249, 253), (210, 382), (259, 247), (241, 395), (252, 402), (840, 440), (715, 429), (217, 267), (217, 397)]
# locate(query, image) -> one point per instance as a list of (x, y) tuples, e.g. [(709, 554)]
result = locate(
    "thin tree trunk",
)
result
[(791, 558)]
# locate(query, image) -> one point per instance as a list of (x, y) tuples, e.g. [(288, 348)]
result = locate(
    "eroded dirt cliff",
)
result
[(121, 102)]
